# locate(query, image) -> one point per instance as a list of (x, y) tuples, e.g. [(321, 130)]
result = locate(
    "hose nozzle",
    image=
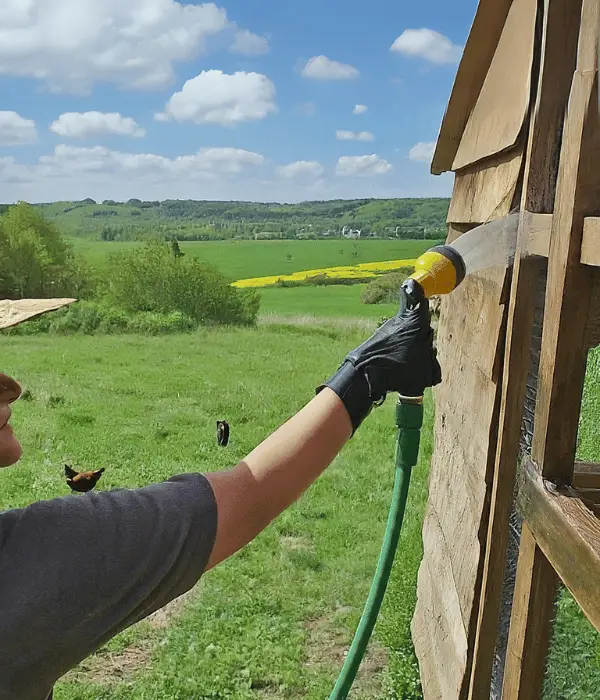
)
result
[(439, 270)]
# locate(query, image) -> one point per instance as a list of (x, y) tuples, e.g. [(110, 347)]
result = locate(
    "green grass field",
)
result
[(241, 259), (338, 301), (103, 401)]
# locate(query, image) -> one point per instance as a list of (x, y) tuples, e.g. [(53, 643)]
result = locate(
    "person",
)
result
[(63, 595)]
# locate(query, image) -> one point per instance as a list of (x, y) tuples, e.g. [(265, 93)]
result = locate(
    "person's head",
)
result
[(11, 314)]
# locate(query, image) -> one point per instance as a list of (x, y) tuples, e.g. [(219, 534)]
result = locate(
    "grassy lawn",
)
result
[(339, 301), (274, 620), (241, 259)]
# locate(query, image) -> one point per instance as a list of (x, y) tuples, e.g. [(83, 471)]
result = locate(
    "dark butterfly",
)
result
[(222, 433)]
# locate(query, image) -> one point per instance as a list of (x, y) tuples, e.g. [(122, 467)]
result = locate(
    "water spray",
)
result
[(441, 269)]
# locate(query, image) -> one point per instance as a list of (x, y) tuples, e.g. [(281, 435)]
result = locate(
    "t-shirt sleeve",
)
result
[(79, 569)]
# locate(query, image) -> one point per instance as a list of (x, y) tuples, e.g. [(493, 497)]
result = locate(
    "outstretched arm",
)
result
[(398, 357), (277, 472)]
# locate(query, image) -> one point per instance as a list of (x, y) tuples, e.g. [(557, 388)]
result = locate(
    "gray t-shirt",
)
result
[(77, 570)]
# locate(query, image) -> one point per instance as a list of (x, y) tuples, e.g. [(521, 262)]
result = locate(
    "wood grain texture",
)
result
[(562, 358), (486, 191), (531, 622), (586, 475), (469, 340), (564, 525), (590, 245), (481, 44), (497, 118), (538, 241), (552, 85)]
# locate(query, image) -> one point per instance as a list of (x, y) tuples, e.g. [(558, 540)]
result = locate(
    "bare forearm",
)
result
[(277, 472)]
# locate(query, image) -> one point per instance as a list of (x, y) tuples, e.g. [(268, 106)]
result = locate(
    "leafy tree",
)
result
[(175, 249), (149, 278), (34, 260)]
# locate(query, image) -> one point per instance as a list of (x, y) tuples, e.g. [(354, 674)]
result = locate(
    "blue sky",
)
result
[(251, 99)]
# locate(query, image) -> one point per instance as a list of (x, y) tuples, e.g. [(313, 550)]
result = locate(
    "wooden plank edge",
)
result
[(539, 238), (568, 532), (586, 475)]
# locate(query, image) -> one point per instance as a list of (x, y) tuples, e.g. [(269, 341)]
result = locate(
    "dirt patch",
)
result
[(296, 543), (106, 667), (346, 324), (327, 645), (162, 618)]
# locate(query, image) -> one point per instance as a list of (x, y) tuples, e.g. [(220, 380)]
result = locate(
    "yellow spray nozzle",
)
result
[(439, 270)]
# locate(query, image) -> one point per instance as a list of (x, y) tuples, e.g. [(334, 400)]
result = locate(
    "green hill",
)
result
[(205, 220)]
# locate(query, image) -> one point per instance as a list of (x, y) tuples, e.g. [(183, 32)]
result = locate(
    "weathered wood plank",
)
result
[(469, 340), (586, 475), (533, 604), (590, 245), (487, 190), (497, 118), (554, 69), (481, 44), (568, 532), (538, 242), (562, 360)]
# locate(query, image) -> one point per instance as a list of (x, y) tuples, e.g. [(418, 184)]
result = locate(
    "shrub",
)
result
[(149, 323), (386, 288), (89, 318), (113, 321), (83, 317), (150, 278)]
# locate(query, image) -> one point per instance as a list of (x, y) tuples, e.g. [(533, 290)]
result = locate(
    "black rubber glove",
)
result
[(399, 356)]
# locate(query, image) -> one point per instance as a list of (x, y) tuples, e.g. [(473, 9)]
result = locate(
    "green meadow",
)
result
[(241, 259), (240, 635)]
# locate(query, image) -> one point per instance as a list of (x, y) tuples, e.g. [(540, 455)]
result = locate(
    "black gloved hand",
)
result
[(399, 356)]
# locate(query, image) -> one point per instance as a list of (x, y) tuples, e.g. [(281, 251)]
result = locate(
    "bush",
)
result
[(89, 318), (149, 323), (386, 288), (113, 321), (150, 278)]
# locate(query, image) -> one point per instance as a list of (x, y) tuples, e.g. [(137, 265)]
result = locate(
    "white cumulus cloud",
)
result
[(427, 44), (342, 135), (323, 68), (359, 109), (249, 44), (422, 151), (15, 130), (302, 171), (69, 45), (84, 125), (362, 166), (207, 162), (214, 97)]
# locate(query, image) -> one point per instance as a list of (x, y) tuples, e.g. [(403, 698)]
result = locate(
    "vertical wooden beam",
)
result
[(562, 366), (534, 594), (560, 29)]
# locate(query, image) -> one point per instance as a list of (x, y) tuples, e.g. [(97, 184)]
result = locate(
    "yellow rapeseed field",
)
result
[(361, 271)]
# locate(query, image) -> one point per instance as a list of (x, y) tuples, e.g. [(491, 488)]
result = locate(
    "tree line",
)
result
[(207, 220)]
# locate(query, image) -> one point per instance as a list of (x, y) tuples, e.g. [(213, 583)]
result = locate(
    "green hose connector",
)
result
[(409, 419)]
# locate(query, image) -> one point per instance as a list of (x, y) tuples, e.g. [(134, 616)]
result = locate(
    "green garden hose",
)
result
[(409, 419)]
